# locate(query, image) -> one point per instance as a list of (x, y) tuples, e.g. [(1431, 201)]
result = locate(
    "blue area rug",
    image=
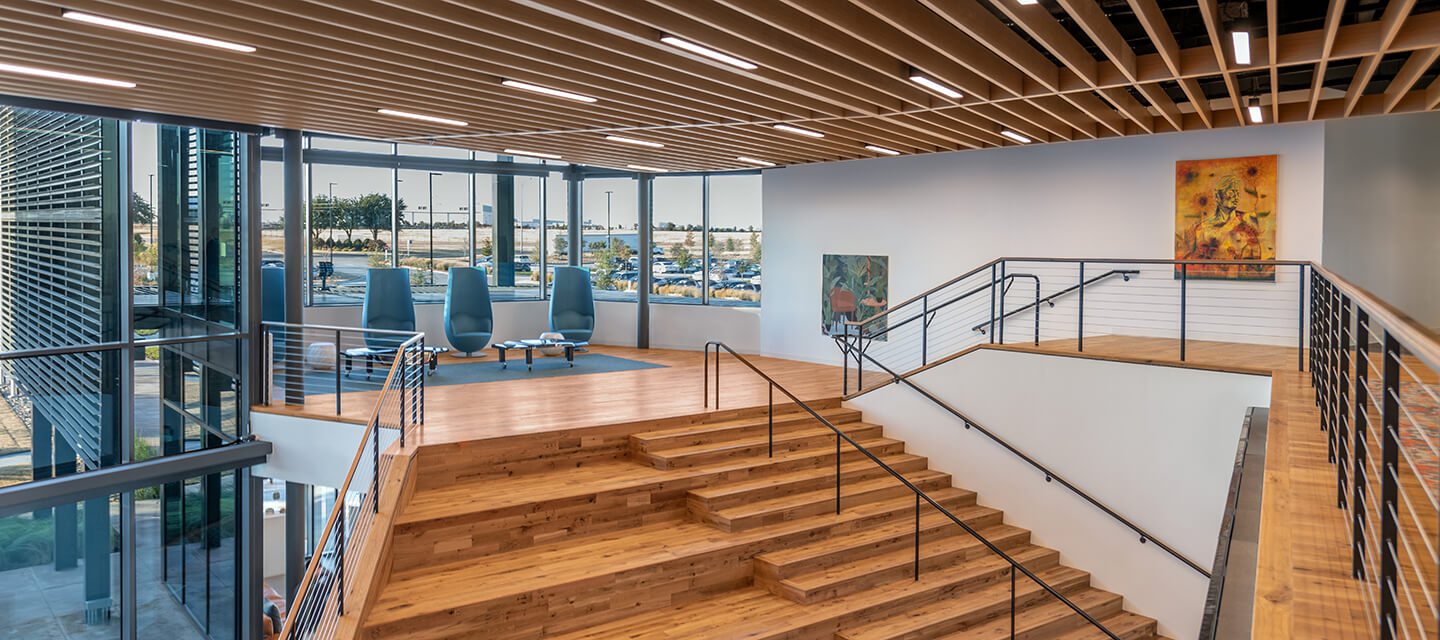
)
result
[(486, 370)]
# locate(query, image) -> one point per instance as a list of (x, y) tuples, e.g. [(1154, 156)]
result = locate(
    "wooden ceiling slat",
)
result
[(932, 121), (1130, 107), (1272, 44), (1210, 13), (985, 28), (1098, 110), (1359, 81), (994, 113), (1403, 82), (1198, 101), (1394, 17), (1093, 22), (1332, 30), (1036, 21), (1027, 111), (1162, 103), (1068, 113), (1158, 29)]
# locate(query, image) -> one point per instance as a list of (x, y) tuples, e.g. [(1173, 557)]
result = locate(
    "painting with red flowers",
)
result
[(1225, 210)]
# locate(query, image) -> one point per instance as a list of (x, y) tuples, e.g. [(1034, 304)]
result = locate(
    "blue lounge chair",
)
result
[(572, 306), (390, 307), (469, 322)]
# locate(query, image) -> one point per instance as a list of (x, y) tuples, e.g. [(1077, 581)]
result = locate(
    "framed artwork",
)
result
[(1225, 210), (853, 288)]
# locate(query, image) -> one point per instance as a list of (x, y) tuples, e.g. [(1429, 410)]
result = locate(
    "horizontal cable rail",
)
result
[(919, 493), (1050, 475), (321, 599)]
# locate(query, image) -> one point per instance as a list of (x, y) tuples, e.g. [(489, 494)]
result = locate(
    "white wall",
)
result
[(1155, 444), (672, 326), (1382, 208), (939, 215), (311, 451)]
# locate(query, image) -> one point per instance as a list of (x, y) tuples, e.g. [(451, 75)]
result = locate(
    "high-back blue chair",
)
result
[(388, 306), (469, 322), (572, 306)]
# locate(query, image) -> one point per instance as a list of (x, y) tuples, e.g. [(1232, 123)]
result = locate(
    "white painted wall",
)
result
[(937, 216), (312, 451), (1382, 208), (672, 326), (1156, 444)]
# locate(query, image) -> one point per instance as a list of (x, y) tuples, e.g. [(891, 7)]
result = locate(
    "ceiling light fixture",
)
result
[(709, 53), (1027, 2), (546, 90), (643, 143), (798, 130), (62, 75), (1257, 115), (935, 86), (154, 31), (1241, 41), (421, 116), (533, 154), (763, 163), (879, 149), (1015, 136), (641, 167)]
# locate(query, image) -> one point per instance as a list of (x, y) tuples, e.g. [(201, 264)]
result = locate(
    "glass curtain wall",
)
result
[(434, 229), (734, 239), (349, 211), (66, 245), (610, 211), (679, 239)]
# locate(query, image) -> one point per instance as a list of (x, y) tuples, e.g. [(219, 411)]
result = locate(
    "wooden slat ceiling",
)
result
[(1055, 71)]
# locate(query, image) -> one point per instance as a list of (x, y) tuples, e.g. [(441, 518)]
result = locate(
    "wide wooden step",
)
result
[(1045, 618), (755, 614), (864, 573), (764, 512), (821, 554), (758, 445), (698, 434), (1128, 626), (729, 494), (955, 614)]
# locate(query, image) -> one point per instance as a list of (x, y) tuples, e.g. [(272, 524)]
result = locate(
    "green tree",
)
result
[(140, 209), (690, 239), (372, 211), (560, 244), (712, 241), (322, 216), (755, 246), (487, 247), (730, 245), (681, 255)]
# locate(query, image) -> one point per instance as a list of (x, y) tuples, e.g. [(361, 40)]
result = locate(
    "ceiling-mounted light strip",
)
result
[(935, 86), (546, 90), (641, 167), (1257, 115), (421, 116), (1241, 41), (880, 149), (798, 130), (62, 75), (763, 163), (533, 154), (643, 143), (148, 30), (1015, 136), (709, 53), (1027, 2)]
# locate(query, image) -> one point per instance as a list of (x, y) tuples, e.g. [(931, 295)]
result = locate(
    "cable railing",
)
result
[(1376, 375), (920, 494), (326, 365), (324, 593)]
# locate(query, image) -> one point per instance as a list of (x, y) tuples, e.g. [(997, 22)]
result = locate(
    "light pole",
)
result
[(331, 202), (432, 226), (607, 219), (153, 212)]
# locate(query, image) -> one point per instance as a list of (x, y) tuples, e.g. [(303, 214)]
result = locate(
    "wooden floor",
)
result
[(1303, 586), (463, 412)]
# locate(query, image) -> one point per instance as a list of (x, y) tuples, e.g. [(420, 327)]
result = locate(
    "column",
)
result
[(504, 229)]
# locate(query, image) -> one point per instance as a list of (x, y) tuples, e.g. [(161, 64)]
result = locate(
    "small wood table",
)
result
[(529, 346)]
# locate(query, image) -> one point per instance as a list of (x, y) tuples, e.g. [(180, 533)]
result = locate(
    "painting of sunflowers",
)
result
[(1225, 210), (853, 288)]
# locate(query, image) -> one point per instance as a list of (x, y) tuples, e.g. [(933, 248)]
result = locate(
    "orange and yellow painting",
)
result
[(1225, 210)]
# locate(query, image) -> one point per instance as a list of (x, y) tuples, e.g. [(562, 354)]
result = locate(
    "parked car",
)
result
[(737, 285)]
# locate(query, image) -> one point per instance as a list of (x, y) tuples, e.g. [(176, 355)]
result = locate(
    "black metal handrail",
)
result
[(1050, 299), (919, 493), (970, 423)]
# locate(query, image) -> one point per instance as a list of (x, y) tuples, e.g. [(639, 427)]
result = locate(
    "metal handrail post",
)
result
[(337, 372), (1389, 487), (1080, 316), (1184, 277), (1362, 427)]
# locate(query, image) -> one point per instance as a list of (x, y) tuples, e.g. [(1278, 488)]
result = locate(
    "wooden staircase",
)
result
[(690, 528)]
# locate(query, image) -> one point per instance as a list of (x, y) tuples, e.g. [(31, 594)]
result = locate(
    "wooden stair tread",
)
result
[(1047, 617), (1128, 626), (822, 495), (828, 471), (1000, 535), (836, 415), (849, 544), (756, 614), (933, 618), (788, 437)]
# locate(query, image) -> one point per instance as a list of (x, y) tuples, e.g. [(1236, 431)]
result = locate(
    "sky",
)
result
[(734, 200)]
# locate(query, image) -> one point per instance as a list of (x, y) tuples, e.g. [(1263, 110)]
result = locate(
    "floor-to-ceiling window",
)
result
[(679, 239), (734, 239), (611, 236)]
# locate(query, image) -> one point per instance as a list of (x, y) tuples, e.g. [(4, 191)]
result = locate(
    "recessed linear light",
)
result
[(709, 53), (1015, 136), (1027, 2), (641, 167), (534, 154), (878, 149), (1257, 115), (936, 86), (154, 31), (421, 116), (803, 132), (61, 75), (546, 90), (643, 143), (1241, 40), (763, 163)]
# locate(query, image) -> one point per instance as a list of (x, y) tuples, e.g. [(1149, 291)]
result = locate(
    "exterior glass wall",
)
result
[(610, 210), (734, 239), (679, 238)]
